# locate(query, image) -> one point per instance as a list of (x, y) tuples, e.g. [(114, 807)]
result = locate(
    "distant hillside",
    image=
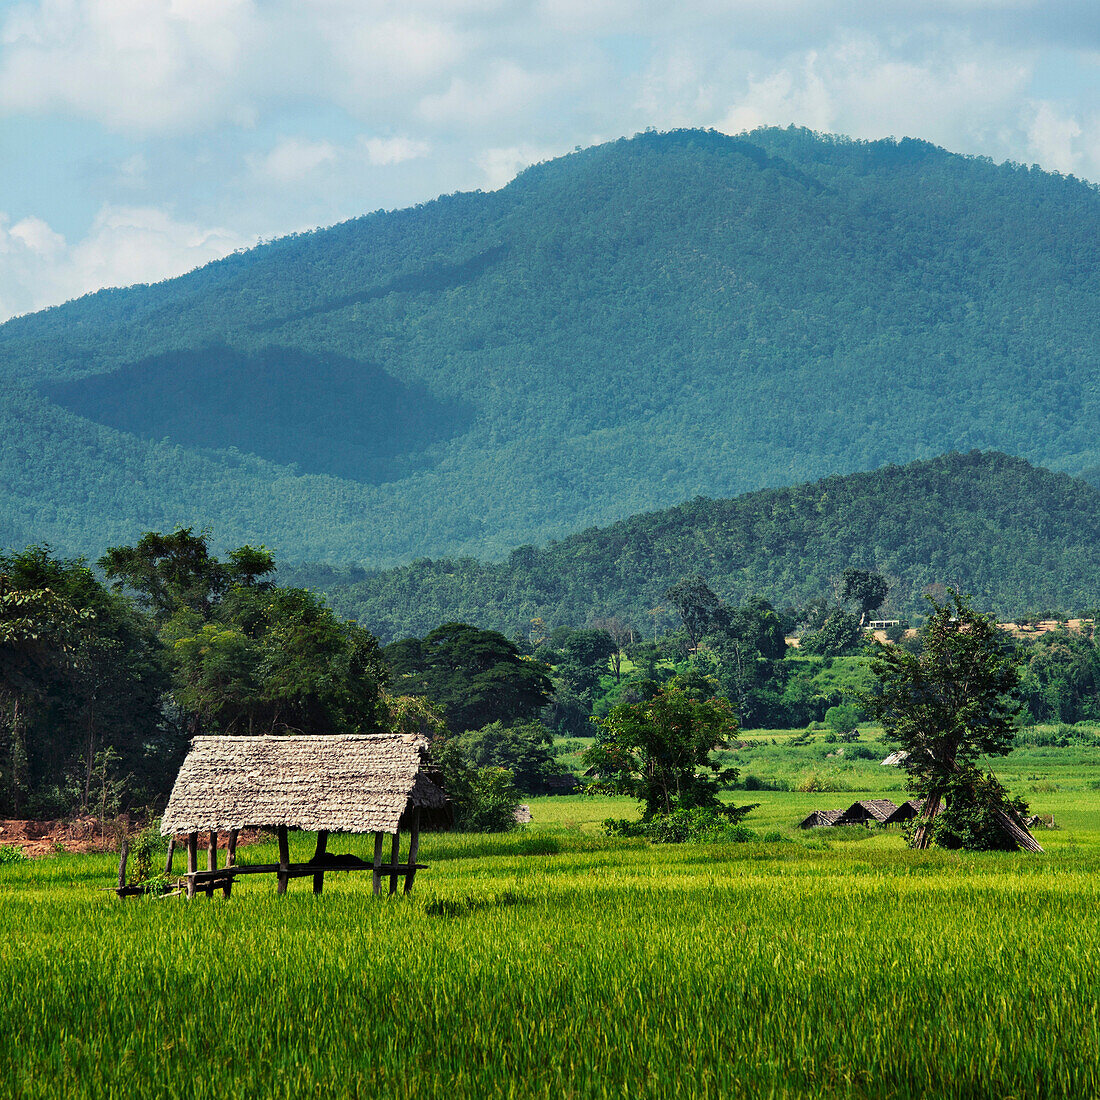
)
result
[(1019, 538), (617, 330)]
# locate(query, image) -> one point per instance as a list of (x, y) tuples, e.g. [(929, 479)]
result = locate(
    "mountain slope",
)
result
[(1019, 538), (616, 330)]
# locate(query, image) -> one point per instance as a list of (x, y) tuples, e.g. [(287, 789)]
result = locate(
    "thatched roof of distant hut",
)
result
[(905, 812), (866, 811), (819, 819), (349, 783)]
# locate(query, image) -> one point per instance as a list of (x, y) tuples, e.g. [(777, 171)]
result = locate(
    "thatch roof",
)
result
[(820, 818), (355, 784), (867, 810), (905, 812)]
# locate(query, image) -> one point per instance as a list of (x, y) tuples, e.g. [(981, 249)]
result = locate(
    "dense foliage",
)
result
[(948, 707), (1019, 538), (616, 330)]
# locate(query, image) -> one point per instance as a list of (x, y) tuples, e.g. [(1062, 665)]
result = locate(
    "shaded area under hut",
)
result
[(377, 784)]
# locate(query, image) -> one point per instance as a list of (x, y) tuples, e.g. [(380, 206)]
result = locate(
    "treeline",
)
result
[(1021, 539), (615, 331), (103, 682)]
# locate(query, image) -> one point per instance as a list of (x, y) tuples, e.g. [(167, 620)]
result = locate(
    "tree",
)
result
[(475, 676), (659, 751), (80, 673), (584, 656), (839, 634), (175, 572), (947, 707), (697, 604), (526, 750), (866, 589)]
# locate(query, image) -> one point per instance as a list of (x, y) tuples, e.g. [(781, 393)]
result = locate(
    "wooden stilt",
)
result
[(414, 849), (171, 853), (211, 859), (192, 862), (377, 864), (122, 856), (319, 877), (395, 854), (230, 860), (284, 860)]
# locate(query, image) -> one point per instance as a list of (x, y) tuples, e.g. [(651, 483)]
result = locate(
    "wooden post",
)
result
[(122, 861), (284, 860), (192, 862), (319, 876), (395, 854), (377, 864), (227, 887), (414, 849), (171, 853), (211, 859), (230, 861)]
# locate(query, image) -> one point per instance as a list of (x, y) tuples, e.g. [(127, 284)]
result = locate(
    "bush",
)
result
[(699, 824), (11, 855)]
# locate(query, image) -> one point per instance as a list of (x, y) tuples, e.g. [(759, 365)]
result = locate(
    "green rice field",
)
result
[(558, 963)]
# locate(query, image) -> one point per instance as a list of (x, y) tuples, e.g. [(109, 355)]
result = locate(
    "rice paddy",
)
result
[(558, 963)]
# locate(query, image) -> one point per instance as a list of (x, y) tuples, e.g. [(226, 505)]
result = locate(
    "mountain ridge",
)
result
[(1019, 538), (630, 325)]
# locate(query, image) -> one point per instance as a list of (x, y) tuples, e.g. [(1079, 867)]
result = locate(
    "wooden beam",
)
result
[(171, 853), (377, 864), (414, 848), (122, 856), (319, 855), (192, 862), (211, 858), (395, 853), (230, 860), (284, 860)]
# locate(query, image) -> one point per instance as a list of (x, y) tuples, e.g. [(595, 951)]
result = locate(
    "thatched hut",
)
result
[(820, 819), (869, 811), (353, 784), (905, 812)]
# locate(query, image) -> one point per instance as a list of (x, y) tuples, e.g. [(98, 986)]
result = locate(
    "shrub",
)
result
[(702, 823), (10, 855)]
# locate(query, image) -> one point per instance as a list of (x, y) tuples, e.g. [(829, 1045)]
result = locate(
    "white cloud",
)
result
[(1053, 139), (294, 159), (125, 245), (397, 150), (502, 165)]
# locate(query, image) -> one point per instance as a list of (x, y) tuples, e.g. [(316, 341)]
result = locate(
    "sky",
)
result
[(142, 138)]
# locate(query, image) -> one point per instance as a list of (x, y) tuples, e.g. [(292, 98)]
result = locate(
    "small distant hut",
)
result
[(905, 812), (351, 783), (869, 811), (820, 819)]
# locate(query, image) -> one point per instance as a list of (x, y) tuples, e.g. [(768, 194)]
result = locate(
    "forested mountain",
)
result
[(1019, 538), (617, 330)]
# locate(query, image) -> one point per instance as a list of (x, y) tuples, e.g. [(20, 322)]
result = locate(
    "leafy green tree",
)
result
[(476, 676), (483, 799), (865, 588), (839, 634), (947, 707), (659, 751), (80, 673), (584, 657), (175, 572), (526, 750), (697, 605)]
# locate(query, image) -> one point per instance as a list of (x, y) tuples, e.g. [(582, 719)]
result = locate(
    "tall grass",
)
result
[(577, 968)]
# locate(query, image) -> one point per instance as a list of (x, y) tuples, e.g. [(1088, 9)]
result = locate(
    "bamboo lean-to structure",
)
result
[(347, 783)]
